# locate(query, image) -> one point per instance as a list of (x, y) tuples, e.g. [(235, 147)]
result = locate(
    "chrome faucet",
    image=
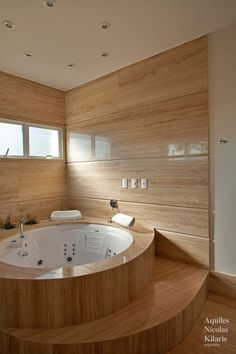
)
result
[(22, 222), (115, 208)]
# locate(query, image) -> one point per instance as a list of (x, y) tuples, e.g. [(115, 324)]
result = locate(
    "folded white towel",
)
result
[(66, 215), (124, 220)]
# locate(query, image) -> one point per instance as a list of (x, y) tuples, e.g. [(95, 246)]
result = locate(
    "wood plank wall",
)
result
[(147, 120), (32, 186)]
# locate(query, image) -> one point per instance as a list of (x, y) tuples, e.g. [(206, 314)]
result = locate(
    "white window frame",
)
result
[(25, 132)]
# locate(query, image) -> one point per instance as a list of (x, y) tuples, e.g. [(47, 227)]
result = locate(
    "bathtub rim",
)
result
[(32, 235), (141, 242)]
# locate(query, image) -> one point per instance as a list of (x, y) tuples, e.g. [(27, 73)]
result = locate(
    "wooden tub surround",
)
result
[(132, 303), (66, 296)]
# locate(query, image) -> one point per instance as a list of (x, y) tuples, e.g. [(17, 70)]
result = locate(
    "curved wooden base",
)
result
[(46, 298), (154, 323)]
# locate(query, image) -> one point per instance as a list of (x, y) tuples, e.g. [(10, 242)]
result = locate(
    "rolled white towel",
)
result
[(123, 220), (66, 215)]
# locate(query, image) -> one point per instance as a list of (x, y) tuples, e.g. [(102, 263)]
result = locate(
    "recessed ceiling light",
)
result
[(28, 54), (104, 25), (50, 3), (104, 54), (9, 24), (71, 65)]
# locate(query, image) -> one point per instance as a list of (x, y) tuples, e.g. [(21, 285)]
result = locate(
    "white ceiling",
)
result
[(69, 32)]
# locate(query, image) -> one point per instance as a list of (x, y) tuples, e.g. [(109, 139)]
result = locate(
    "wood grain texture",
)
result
[(39, 208), (28, 185), (148, 120), (171, 181), (154, 323), (215, 307), (180, 247), (7, 95), (50, 303), (177, 72), (223, 284), (171, 128), (188, 221), (25, 100), (31, 185), (89, 101), (153, 117)]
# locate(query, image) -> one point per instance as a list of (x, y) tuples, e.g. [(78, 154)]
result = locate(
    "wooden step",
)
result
[(154, 323), (216, 306)]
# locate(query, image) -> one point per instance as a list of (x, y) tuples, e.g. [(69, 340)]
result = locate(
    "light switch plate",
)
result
[(144, 183), (134, 183), (124, 183)]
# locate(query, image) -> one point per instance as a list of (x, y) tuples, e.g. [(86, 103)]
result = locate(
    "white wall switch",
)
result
[(124, 183), (134, 183), (144, 183)]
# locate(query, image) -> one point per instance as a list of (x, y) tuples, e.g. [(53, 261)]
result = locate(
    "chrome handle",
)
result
[(222, 141)]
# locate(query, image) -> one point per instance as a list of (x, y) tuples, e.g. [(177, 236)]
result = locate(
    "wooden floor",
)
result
[(160, 318), (215, 307)]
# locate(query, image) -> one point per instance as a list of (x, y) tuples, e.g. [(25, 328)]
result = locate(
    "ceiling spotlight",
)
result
[(104, 54), (28, 54), (9, 24), (71, 65), (104, 25), (50, 3)]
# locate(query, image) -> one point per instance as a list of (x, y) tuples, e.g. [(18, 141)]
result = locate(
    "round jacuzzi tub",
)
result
[(64, 245)]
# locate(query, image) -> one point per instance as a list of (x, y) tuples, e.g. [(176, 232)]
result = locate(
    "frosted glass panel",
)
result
[(44, 142), (11, 137)]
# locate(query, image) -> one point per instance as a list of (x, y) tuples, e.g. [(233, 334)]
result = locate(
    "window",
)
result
[(44, 142), (11, 139), (18, 139)]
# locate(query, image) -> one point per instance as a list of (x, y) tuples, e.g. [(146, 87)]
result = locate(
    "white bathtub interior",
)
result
[(64, 245)]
